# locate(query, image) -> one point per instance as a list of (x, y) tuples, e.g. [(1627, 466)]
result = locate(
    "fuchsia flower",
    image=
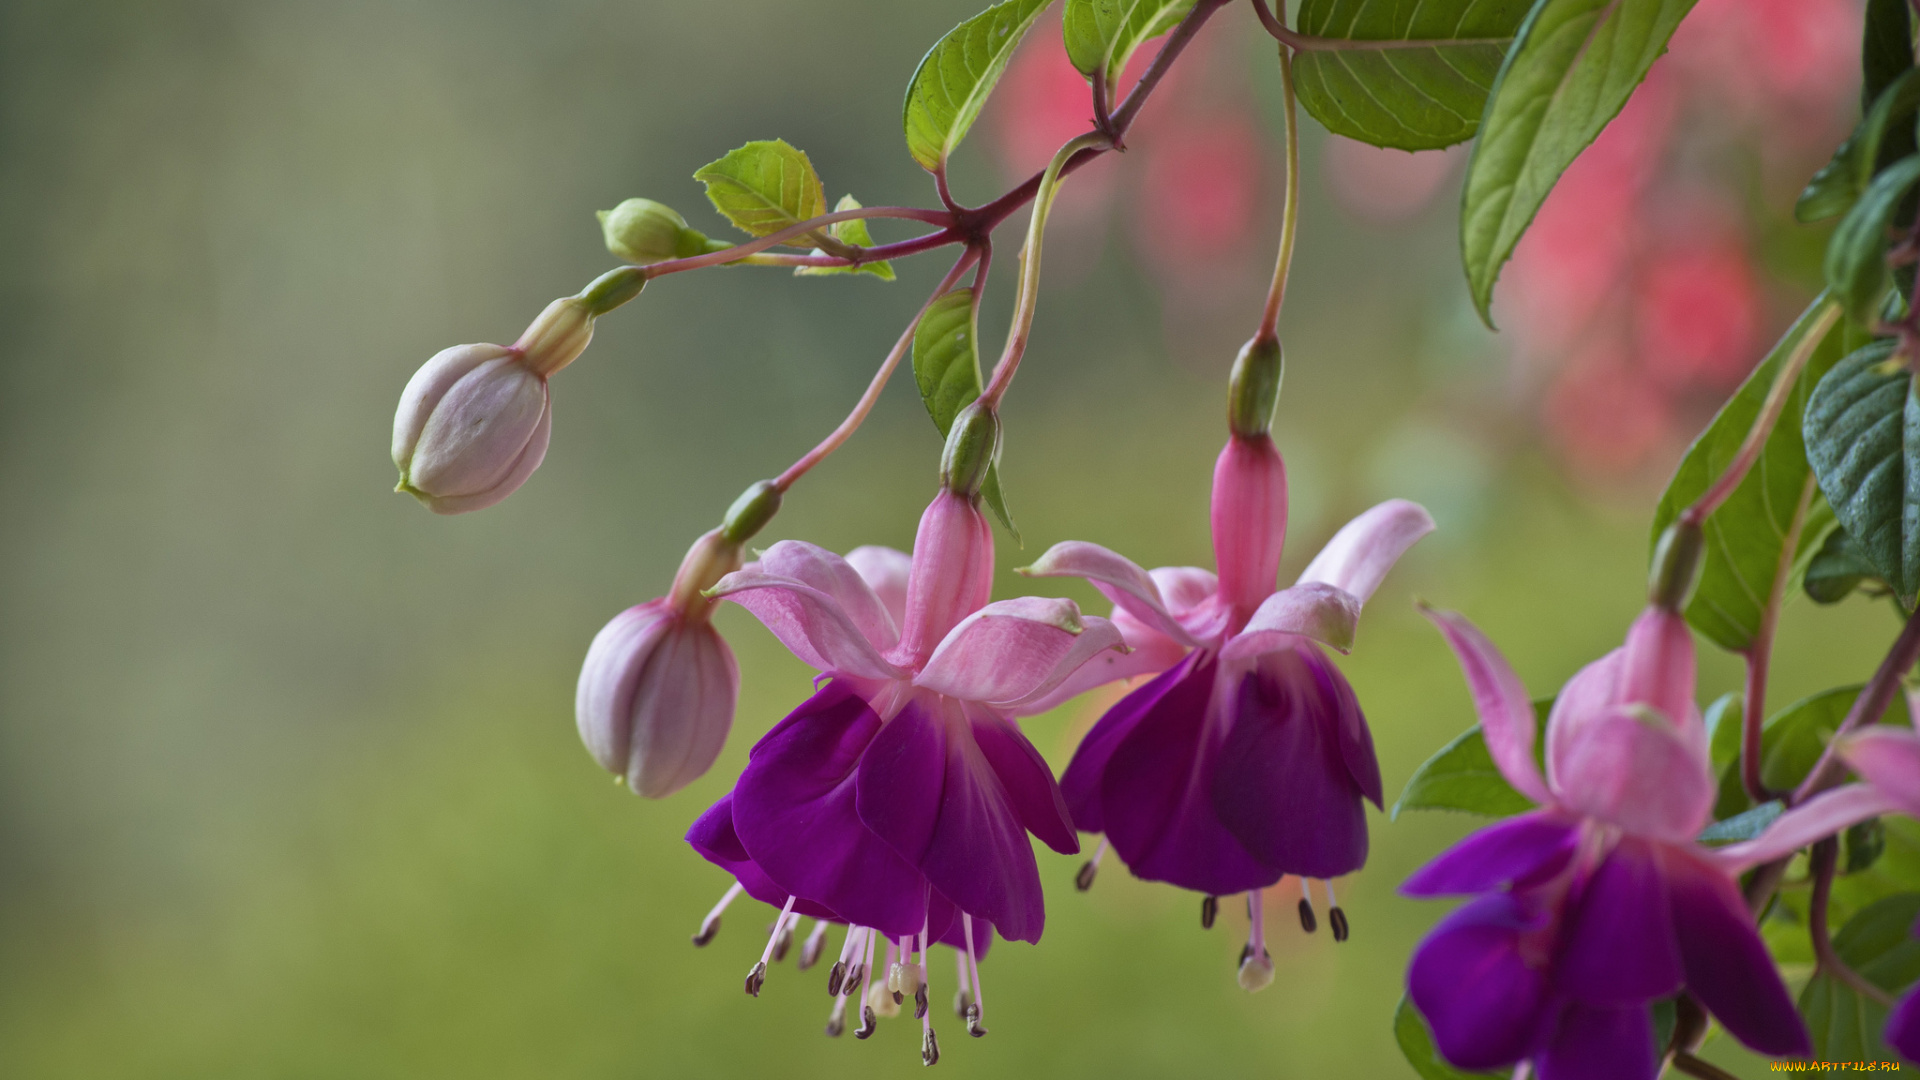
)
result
[(1247, 760), (898, 798), (1600, 901)]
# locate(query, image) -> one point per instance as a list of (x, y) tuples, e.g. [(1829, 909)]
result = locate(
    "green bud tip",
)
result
[(1254, 387), (611, 289), (642, 231), (973, 444), (751, 512), (1676, 563)]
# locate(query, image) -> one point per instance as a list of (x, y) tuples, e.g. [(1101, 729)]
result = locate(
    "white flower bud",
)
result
[(656, 697), (472, 425)]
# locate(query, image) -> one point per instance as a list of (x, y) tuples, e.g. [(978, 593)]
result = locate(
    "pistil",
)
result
[(757, 977), (1256, 966)]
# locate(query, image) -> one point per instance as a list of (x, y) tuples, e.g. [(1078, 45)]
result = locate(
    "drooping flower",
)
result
[(1599, 902), (1247, 759), (899, 797)]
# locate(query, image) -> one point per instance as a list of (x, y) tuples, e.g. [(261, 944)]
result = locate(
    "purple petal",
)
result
[(1888, 758), (1312, 610), (1631, 767), (808, 620), (1028, 782), (1358, 557), (885, 570), (1470, 978), (1817, 818), (1081, 783), (1727, 965), (1156, 790), (1600, 1043), (956, 932), (1015, 650), (1903, 1026), (1617, 945), (795, 814), (713, 836), (1506, 713), (1118, 578), (1285, 786), (928, 790), (1527, 847)]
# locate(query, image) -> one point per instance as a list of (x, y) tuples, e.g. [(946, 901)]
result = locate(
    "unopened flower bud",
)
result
[(472, 425), (656, 697), (1254, 387), (558, 336), (973, 443), (643, 231), (1676, 564)]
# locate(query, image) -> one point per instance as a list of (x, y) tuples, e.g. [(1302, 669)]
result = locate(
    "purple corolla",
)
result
[(898, 798), (1599, 902), (1248, 758)]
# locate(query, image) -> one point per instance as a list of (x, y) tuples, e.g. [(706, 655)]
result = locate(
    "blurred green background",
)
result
[(289, 785)]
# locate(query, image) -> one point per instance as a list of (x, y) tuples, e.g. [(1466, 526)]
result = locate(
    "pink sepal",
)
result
[(1015, 650), (1506, 713), (1816, 819), (1358, 557)]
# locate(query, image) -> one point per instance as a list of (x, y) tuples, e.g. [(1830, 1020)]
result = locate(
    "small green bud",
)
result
[(611, 289), (643, 231), (1254, 387), (973, 444), (1676, 563), (750, 512)]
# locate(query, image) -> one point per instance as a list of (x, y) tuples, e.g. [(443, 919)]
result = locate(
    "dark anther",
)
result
[(867, 1023), (810, 951), (707, 930), (1084, 879), (1245, 951), (782, 943), (756, 979), (962, 1003), (929, 1049), (1307, 921), (920, 1002), (853, 978), (973, 1021), (836, 975), (898, 997), (1339, 920), (835, 1025), (1209, 911)]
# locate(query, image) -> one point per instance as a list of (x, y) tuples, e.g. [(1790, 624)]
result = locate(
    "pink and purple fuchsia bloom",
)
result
[(899, 797), (1598, 903), (1248, 758)]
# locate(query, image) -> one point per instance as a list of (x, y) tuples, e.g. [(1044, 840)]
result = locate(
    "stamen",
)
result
[(867, 1023), (979, 1006), (920, 992), (963, 996), (1335, 917), (710, 925), (758, 976), (837, 1019), (1307, 921), (1084, 879), (815, 944), (835, 975), (929, 1047), (1209, 911), (1256, 967), (881, 998), (900, 979), (783, 937), (849, 968)]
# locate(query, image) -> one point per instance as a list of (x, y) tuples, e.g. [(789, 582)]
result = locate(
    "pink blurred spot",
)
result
[(1699, 313), (1385, 186), (1199, 191), (1605, 416), (1763, 57)]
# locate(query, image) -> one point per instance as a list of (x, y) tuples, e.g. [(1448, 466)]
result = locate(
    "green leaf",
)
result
[(1462, 776), (1838, 568), (1102, 35), (946, 365), (1416, 1043), (1884, 136), (1877, 944), (1793, 739), (1886, 47), (1742, 826), (1746, 534), (1571, 68), (854, 233), (1395, 93), (1856, 265), (1863, 435), (764, 187), (1723, 719), (955, 77)]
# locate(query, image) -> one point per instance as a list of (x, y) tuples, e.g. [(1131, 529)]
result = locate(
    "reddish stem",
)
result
[(1759, 652), (1867, 708)]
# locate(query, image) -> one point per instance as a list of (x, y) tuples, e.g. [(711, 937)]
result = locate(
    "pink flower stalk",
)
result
[(899, 797), (1599, 902), (1247, 760), (658, 687)]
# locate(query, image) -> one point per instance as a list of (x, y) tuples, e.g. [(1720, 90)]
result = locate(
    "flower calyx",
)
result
[(1253, 388), (1676, 564), (973, 445)]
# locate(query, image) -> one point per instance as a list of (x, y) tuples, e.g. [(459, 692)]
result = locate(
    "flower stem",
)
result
[(879, 382), (1290, 211), (1029, 295), (1825, 860), (1759, 653), (1867, 708)]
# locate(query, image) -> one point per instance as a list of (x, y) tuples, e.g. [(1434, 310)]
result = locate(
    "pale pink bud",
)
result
[(656, 697), (472, 425), (1249, 521)]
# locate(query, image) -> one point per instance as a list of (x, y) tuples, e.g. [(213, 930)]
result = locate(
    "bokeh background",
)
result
[(289, 785)]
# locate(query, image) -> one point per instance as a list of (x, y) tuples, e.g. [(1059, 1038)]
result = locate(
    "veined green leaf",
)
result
[(1102, 35), (1793, 739), (946, 365), (1416, 1044), (852, 232), (1462, 776), (1887, 127), (1877, 944), (1572, 66), (1837, 569), (1746, 534), (1856, 266), (1742, 826), (1422, 80), (956, 76), (764, 186), (1862, 430)]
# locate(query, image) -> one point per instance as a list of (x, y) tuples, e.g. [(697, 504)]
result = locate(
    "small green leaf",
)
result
[(1572, 66), (1856, 265), (1462, 776), (1742, 826), (764, 187), (1838, 568), (1416, 1044), (946, 365), (1886, 130), (1410, 97), (956, 76), (1723, 719), (1746, 534), (1102, 35), (1877, 943), (1793, 739), (1862, 432), (853, 233), (1862, 845)]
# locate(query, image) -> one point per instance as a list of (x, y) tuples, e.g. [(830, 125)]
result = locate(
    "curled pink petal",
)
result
[(807, 621), (821, 569), (1015, 650), (1506, 713), (1360, 554), (885, 570), (1249, 520), (1118, 578), (1889, 759), (1816, 819), (1325, 613), (1633, 768), (1151, 654)]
